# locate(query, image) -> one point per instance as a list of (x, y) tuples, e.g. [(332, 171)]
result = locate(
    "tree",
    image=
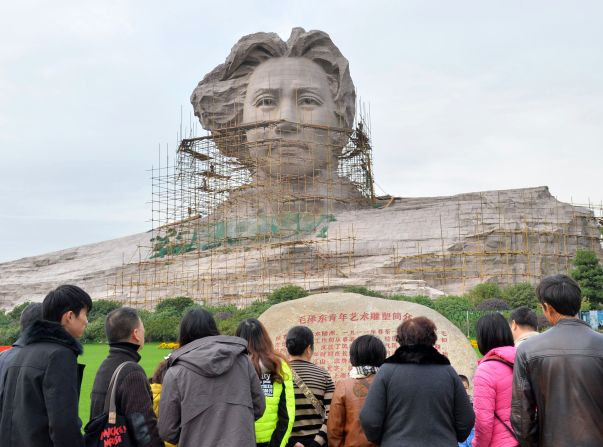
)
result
[(484, 291), (175, 306), (493, 304), (589, 274), (522, 294)]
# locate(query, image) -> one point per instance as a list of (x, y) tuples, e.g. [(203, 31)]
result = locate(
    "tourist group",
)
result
[(529, 388)]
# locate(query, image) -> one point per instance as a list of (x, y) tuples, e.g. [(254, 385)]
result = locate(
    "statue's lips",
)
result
[(286, 147), (291, 149)]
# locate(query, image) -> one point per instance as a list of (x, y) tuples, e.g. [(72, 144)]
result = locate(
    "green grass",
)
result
[(95, 353)]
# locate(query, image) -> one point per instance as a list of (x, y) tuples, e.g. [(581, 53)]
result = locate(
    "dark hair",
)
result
[(260, 348), (30, 314), (524, 316), (417, 331), (298, 339), (561, 292), (120, 324), (464, 379), (493, 331), (160, 372), (197, 323), (367, 350), (63, 299)]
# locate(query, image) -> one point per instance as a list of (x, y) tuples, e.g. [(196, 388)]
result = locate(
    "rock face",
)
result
[(414, 246), (336, 319)]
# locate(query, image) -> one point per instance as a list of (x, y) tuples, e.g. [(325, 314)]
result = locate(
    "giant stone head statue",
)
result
[(294, 101)]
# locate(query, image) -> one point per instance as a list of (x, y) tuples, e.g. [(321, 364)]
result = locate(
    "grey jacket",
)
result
[(211, 395), (417, 399), (558, 387)]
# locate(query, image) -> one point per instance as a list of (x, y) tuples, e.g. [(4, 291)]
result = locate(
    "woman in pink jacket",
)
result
[(493, 383)]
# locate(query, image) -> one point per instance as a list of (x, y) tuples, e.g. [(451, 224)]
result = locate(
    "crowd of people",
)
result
[(529, 388)]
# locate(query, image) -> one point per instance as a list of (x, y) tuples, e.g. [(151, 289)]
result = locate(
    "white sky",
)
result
[(464, 96)]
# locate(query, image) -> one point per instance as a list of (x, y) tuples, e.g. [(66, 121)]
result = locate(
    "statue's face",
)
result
[(295, 90)]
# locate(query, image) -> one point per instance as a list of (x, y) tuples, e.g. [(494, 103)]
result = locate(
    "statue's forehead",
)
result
[(282, 72)]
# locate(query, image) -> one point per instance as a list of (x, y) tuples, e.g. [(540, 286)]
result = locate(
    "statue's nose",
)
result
[(286, 127)]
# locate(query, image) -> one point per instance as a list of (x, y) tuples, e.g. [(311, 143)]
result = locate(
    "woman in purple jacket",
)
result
[(493, 383)]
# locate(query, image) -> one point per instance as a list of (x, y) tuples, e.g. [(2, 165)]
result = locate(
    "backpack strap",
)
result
[(506, 426), (499, 360)]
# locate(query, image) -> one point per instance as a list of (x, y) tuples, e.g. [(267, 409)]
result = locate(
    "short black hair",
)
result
[(524, 316), (367, 350), (493, 331), (464, 379), (298, 339), (120, 323), (30, 314), (561, 292), (63, 299), (196, 324)]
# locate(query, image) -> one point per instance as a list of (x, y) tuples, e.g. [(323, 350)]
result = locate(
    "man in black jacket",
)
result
[(125, 333), (41, 391), (30, 314), (558, 375)]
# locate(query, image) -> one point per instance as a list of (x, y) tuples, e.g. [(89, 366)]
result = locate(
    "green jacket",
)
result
[(277, 422)]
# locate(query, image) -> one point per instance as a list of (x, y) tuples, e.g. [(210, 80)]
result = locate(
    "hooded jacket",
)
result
[(417, 398), (39, 405), (211, 395), (492, 391)]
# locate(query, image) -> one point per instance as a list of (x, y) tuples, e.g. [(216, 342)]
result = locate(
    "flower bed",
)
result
[(170, 345)]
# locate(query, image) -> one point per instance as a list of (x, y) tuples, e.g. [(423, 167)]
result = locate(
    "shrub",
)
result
[(161, 326), (483, 292), (589, 274), (451, 303), (286, 293), (15, 313), (459, 311), (9, 335), (363, 291), (522, 294), (175, 306), (493, 304), (95, 332), (419, 299), (101, 308)]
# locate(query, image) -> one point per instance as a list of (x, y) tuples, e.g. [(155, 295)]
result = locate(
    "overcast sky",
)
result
[(464, 96)]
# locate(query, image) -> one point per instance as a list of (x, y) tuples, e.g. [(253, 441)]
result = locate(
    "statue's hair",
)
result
[(218, 99)]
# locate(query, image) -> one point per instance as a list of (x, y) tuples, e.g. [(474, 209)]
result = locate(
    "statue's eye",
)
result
[(265, 102), (308, 101)]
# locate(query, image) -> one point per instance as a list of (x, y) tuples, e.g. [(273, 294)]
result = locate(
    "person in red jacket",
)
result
[(493, 383)]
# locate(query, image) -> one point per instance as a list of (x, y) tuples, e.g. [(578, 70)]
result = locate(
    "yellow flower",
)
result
[(168, 345)]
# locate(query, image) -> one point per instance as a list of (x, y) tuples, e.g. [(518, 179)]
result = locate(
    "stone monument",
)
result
[(284, 110), (338, 318)]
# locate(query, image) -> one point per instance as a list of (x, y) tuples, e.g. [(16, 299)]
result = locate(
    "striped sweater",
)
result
[(308, 422)]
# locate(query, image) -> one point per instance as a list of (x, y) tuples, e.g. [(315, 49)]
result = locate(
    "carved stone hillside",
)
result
[(414, 246)]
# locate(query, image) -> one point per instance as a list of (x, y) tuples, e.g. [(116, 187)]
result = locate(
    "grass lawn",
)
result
[(95, 353)]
